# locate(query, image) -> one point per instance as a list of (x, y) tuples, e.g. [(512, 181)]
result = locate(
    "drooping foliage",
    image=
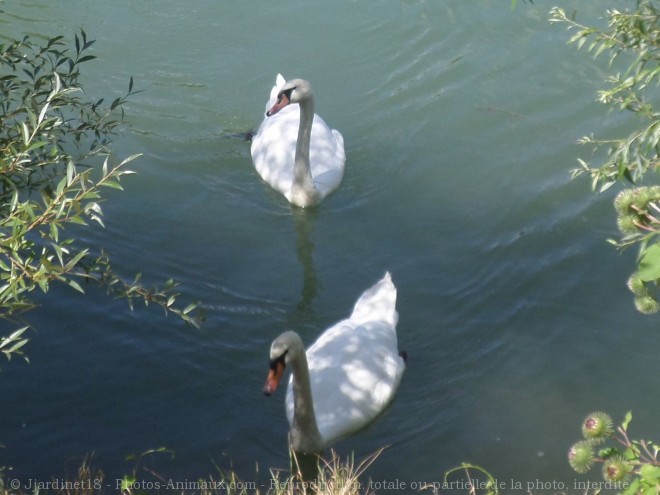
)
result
[(55, 163)]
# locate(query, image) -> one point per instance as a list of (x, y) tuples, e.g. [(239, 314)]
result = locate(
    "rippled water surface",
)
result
[(460, 121)]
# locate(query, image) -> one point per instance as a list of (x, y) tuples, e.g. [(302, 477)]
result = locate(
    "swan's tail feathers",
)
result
[(279, 82), (377, 303)]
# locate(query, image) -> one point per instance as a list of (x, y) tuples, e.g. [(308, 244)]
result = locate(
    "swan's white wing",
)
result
[(354, 375), (274, 146), (326, 157)]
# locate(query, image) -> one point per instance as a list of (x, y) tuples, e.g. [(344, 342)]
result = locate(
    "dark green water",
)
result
[(460, 121)]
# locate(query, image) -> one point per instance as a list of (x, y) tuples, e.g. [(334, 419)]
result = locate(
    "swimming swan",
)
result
[(295, 151), (346, 378)]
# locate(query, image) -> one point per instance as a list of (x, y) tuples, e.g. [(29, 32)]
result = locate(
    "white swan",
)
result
[(346, 378), (294, 150)]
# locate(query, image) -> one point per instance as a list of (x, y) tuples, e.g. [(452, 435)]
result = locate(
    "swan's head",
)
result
[(285, 349), (293, 91)]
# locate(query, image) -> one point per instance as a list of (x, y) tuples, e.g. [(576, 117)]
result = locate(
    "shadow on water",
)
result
[(306, 467), (238, 135)]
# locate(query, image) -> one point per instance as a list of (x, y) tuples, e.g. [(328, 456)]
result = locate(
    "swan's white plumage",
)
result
[(355, 366), (274, 146)]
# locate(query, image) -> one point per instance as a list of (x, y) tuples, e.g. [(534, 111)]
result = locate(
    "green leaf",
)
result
[(127, 483), (189, 308), (16, 346), (649, 264), (59, 251), (650, 473), (608, 452), (632, 488), (112, 184), (26, 133), (42, 113), (86, 58), (15, 335), (54, 231), (43, 284), (74, 261), (76, 286), (631, 453), (36, 145), (70, 173), (60, 186), (54, 40), (626, 421), (77, 220), (627, 175)]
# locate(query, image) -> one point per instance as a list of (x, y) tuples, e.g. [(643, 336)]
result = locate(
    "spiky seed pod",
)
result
[(654, 194), (581, 456), (647, 305), (644, 196), (626, 223), (636, 286), (616, 469), (597, 427), (624, 201)]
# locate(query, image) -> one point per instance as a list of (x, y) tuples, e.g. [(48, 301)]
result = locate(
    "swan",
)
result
[(295, 151), (346, 378)]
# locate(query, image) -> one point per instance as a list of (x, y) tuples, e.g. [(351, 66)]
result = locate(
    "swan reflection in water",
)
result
[(303, 221)]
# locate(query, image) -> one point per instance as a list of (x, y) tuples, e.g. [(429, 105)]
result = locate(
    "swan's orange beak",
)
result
[(274, 377), (282, 101)]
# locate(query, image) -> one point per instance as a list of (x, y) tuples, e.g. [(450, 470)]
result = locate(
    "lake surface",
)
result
[(460, 122)]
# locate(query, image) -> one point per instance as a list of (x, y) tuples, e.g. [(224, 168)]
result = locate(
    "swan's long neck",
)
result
[(304, 435), (303, 192)]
